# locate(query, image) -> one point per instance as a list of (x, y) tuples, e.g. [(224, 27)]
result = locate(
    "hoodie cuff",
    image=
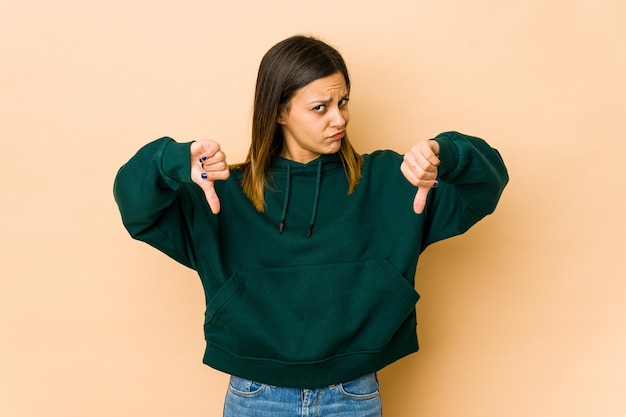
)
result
[(448, 154), (176, 162)]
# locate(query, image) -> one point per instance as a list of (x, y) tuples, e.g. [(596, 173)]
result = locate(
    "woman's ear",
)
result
[(283, 112)]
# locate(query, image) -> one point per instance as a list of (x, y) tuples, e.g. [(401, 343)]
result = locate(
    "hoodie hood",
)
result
[(285, 169)]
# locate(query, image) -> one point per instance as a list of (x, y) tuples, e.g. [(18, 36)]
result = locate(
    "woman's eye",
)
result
[(319, 108), (343, 102)]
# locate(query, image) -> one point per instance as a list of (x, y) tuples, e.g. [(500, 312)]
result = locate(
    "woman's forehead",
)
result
[(324, 88)]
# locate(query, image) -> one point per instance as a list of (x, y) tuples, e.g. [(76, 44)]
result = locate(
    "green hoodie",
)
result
[(318, 289)]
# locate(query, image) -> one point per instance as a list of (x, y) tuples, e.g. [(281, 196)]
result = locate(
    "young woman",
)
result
[(307, 251)]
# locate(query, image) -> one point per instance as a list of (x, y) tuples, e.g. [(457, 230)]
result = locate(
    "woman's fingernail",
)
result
[(202, 158), (204, 176), (436, 184)]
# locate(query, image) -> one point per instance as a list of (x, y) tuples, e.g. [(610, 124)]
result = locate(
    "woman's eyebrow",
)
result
[(321, 101)]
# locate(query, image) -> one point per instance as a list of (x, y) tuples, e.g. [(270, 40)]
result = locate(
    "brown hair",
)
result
[(287, 67)]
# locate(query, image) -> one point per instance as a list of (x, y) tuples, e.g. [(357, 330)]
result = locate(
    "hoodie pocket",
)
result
[(308, 314)]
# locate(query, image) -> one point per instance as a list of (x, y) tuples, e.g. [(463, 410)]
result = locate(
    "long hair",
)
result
[(287, 67)]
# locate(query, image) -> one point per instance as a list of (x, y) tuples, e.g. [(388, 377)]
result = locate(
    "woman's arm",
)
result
[(465, 177), (156, 197)]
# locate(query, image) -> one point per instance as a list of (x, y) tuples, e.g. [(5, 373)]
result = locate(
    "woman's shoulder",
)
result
[(382, 157), (382, 166)]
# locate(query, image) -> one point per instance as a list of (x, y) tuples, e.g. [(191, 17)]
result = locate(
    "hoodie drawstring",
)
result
[(309, 232), (283, 216)]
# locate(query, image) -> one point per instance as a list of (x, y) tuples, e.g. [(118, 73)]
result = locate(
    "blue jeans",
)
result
[(356, 398)]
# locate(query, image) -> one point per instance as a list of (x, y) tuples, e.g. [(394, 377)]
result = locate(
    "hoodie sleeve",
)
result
[(150, 191), (472, 177)]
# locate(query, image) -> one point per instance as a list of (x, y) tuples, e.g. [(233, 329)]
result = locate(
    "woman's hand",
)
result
[(208, 164), (420, 168)]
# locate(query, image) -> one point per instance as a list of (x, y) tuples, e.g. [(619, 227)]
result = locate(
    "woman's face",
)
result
[(315, 121)]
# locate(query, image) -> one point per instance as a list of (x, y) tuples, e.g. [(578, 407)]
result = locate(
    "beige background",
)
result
[(523, 316)]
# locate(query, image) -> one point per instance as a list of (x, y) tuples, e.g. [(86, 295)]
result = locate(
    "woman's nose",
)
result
[(338, 119)]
